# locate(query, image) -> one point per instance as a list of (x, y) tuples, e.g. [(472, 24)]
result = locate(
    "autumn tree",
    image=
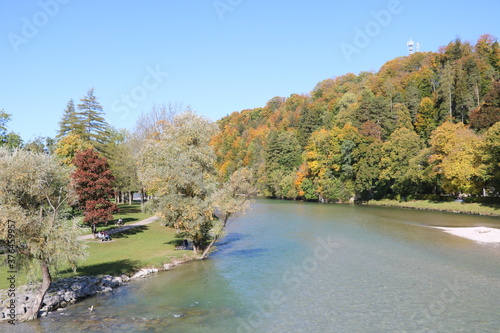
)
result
[(69, 146), (34, 190), (178, 169), (456, 155), (489, 112), (92, 180)]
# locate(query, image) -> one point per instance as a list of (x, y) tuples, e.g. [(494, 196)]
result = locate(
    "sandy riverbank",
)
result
[(478, 234)]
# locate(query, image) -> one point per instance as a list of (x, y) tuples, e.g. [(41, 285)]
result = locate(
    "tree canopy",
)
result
[(34, 191)]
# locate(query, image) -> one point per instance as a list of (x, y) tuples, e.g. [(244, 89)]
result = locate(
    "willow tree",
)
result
[(34, 190), (178, 169)]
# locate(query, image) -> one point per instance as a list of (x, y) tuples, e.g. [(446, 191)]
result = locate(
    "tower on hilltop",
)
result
[(412, 47)]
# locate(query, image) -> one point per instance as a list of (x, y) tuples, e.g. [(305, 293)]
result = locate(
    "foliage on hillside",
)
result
[(421, 124)]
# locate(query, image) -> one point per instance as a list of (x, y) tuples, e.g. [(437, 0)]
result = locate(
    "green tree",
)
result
[(122, 163), (35, 190), (71, 122), (311, 118), (403, 145), (367, 170), (492, 157), (178, 168), (426, 118), (283, 155), (403, 116), (91, 115), (9, 140), (231, 200), (41, 145)]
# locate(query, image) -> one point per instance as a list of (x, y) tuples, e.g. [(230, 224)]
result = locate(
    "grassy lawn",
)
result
[(469, 208), (151, 245), (128, 213)]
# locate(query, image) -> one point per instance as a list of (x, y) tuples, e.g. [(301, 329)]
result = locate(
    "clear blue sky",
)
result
[(218, 56)]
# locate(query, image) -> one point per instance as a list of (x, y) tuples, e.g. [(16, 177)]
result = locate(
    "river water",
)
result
[(308, 267)]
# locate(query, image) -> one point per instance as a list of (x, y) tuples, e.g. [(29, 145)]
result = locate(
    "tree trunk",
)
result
[(207, 250), (32, 313), (130, 195), (142, 197), (123, 197)]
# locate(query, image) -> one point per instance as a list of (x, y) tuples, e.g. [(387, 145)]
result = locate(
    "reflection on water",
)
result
[(304, 267)]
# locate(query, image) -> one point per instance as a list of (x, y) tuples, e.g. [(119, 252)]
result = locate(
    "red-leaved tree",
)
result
[(92, 180)]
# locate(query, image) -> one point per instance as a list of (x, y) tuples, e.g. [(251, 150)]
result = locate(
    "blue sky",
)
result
[(218, 56)]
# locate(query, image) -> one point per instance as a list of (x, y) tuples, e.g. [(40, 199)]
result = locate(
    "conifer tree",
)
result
[(70, 122), (95, 127)]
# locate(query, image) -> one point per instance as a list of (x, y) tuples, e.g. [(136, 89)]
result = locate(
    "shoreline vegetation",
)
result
[(449, 207)]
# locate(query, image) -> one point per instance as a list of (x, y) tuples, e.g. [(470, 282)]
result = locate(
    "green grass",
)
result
[(151, 245), (467, 208), (128, 213)]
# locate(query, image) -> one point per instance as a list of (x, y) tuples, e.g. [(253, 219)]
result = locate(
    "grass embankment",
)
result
[(456, 207), (151, 245)]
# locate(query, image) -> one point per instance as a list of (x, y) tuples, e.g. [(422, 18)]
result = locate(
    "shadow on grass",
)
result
[(129, 231), (175, 242), (118, 267), (127, 209), (491, 205)]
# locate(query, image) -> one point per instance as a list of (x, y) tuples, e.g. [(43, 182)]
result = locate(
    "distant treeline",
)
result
[(425, 124)]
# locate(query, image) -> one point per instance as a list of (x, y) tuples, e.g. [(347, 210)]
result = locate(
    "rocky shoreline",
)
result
[(64, 292)]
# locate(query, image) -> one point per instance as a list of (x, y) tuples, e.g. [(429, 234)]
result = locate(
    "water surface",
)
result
[(307, 267)]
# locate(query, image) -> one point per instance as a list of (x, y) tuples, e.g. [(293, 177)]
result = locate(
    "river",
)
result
[(309, 267)]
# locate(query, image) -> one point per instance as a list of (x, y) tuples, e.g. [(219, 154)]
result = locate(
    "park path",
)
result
[(125, 227)]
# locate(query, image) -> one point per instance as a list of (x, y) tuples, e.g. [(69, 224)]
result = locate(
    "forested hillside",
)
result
[(428, 123)]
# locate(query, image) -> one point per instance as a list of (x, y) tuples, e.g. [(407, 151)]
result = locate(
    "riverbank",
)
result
[(136, 250), (64, 292), (451, 207)]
